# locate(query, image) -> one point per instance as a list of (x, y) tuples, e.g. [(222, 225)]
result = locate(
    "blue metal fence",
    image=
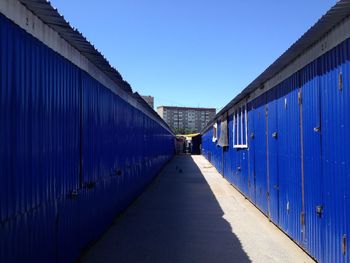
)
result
[(73, 154), (298, 155)]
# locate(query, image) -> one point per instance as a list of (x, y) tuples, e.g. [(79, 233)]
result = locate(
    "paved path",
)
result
[(191, 214)]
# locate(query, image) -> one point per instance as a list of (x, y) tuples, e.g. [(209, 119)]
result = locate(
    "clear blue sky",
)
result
[(192, 52)]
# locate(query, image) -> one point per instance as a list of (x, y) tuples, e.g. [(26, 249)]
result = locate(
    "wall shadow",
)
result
[(177, 219)]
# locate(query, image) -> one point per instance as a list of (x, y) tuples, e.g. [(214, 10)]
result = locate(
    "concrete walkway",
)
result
[(191, 214)]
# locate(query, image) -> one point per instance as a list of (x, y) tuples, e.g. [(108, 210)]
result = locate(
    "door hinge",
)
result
[(300, 97), (343, 244)]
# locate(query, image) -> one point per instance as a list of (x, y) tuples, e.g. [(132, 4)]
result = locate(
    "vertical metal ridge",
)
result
[(267, 162), (302, 215)]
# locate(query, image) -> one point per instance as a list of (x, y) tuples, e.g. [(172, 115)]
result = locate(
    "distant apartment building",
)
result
[(149, 100), (186, 119)]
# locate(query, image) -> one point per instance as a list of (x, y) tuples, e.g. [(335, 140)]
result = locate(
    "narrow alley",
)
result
[(190, 213)]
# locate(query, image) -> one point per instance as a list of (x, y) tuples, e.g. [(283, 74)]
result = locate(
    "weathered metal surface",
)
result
[(298, 155), (73, 153)]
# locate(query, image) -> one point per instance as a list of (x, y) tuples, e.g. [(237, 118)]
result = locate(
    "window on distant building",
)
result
[(240, 130)]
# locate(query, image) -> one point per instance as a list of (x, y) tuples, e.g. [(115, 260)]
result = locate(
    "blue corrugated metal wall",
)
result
[(298, 155), (73, 154), (251, 152), (260, 142), (272, 156), (335, 147), (312, 158)]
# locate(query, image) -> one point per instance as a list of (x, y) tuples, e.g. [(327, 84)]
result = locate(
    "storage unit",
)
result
[(297, 133), (75, 141)]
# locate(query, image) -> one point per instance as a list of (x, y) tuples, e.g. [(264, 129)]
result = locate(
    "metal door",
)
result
[(260, 153), (229, 152), (272, 151), (289, 158), (311, 161), (251, 152), (335, 128)]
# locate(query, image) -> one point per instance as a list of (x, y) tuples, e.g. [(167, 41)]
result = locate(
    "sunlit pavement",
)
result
[(190, 213)]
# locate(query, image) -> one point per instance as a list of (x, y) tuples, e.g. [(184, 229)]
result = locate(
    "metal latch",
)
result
[(317, 129), (340, 80), (300, 100), (90, 185), (252, 135), (238, 168), (302, 218), (73, 194), (343, 244), (319, 210), (274, 135)]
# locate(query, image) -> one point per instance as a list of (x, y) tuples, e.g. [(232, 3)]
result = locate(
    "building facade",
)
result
[(73, 127), (185, 119), (284, 140), (149, 100)]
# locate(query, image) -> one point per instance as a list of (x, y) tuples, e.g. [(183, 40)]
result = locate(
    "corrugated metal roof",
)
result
[(333, 17), (50, 16)]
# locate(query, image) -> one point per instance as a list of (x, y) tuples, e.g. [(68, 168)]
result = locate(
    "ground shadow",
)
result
[(177, 219)]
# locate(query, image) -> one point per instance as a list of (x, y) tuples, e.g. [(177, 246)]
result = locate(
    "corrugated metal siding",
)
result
[(251, 151), (310, 166), (73, 154), (229, 162), (272, 156), (328, 32), (289, 157), (38, 131), (260, 153), (309, 78), (335, 147)]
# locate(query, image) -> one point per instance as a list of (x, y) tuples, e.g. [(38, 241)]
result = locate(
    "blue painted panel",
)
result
[(228, 160), (219, 156), (313, 237), (272, 156), (29, 237), (55, 118), (260, 153), (251, 151), (335, 149), (41, 146), (289, 158), (243, 172), (324, 104)]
